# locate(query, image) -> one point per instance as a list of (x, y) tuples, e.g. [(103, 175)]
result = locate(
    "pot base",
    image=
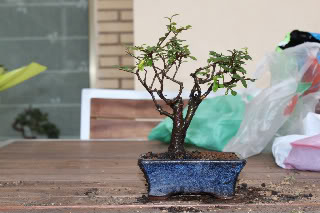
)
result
[(184, 177)]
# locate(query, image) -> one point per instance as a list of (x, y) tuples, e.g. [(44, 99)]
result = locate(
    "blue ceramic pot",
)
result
[(173, 177)]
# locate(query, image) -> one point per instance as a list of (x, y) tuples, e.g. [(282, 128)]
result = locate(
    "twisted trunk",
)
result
[(180, 126), (176, 147)]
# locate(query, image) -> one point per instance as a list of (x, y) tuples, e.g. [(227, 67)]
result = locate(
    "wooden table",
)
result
[(103, 176)]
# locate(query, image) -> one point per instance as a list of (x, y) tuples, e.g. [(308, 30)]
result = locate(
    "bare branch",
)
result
[(145, 76), (153, 80), (204, 95), (177, 68), (132, 72), (158, 106), (132, 55)]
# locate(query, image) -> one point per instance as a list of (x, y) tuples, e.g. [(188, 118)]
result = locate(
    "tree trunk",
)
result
[(176, 147)]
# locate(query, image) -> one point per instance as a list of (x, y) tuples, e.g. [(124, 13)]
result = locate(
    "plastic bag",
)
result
[(14, 77), (296, 151), (300, 151), (295, 75), (216, 121), (304, 154)]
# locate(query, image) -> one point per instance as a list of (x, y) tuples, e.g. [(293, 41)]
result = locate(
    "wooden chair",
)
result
[(118, 114)]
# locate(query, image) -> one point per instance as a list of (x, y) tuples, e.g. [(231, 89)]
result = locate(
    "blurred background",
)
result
[(53, 33), (81, 40)]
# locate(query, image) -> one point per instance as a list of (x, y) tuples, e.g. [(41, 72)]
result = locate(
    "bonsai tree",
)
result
[(33, 120), (163, 60)]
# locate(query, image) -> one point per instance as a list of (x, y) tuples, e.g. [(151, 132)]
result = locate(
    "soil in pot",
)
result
[(194, 155)]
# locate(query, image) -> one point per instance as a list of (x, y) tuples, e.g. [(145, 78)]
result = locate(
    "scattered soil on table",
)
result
[(92, 193), (174, 209), (11, 184), (194, 155), (243, 195)]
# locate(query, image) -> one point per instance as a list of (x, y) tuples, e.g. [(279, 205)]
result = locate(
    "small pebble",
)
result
[(244, 185)]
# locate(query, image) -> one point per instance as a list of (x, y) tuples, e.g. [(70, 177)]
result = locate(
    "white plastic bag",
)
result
[(297, 152), (281, 148), (294, 77), (300, 151), (311, 124), (304, 154)]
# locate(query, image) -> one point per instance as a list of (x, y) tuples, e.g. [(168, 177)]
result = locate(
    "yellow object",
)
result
[(17, 76)]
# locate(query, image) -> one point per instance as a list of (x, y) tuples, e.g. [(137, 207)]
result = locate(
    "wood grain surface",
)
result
[(103, 176)]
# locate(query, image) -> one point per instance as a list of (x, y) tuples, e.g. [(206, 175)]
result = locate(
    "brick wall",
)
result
[(114, 32)]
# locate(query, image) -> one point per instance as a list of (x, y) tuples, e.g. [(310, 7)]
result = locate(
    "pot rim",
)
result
[(192, 160)]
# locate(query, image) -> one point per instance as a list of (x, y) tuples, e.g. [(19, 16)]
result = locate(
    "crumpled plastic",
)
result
[(216, 121), (300, 151), (295, 84), (14, 77)]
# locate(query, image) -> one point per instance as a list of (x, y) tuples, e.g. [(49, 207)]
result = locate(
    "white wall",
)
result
[(225, 24)]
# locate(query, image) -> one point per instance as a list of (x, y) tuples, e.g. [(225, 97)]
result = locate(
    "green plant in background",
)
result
[(31, 121), (11, 78), (163, 61)]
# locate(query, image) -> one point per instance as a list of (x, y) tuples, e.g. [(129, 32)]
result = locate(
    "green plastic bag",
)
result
[(216, 121)]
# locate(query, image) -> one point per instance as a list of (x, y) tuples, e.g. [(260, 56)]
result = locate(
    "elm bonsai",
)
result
[(164, 59)]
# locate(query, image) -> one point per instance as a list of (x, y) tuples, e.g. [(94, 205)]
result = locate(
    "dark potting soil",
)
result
[(194, 155)]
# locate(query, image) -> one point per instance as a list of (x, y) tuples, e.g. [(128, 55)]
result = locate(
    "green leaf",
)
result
[(133, 48), (236, 76), (247, 57), (162, 39), (215, 84), (201, 73), (234, 93), (242, 70), (213, 53), (188, 27), (193, 58), (215, 87), (141, 65), (126, 68), (244, 83), (149, 63)]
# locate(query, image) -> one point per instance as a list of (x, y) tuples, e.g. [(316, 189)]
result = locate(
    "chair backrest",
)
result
[(118, 114)]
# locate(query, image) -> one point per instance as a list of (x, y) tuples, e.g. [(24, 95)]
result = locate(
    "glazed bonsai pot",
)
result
[(182, 177)]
